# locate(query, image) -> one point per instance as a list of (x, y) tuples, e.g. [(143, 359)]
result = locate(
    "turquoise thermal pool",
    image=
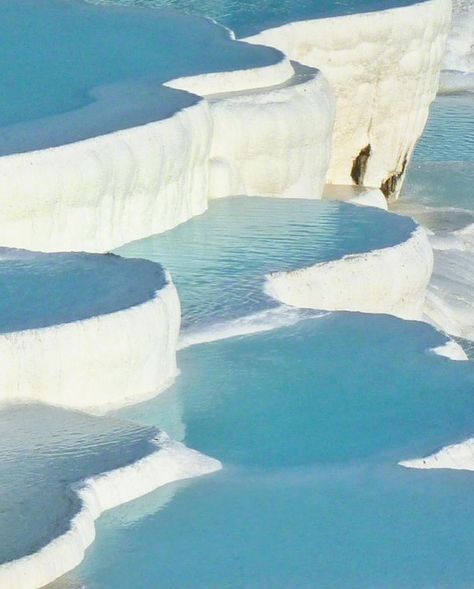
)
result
[(309, 412), (219, 260)]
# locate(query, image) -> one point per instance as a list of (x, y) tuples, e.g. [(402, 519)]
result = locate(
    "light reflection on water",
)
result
[(219, 260)]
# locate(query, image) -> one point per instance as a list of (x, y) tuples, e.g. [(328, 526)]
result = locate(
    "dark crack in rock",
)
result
[(390, 185), (360, 165)]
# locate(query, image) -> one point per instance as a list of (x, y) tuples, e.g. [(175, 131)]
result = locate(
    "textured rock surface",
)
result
[(384, 68), (391, 280), (101, 192), (273, 142), (105, 361), (457, 457)]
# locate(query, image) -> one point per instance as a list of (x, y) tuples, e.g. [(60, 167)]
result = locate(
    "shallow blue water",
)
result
[(302, 529), (219, 260), (449, 133), (247, 17), (73, 47), (438, 190), (40, 290), (310, 421), (43, 450)]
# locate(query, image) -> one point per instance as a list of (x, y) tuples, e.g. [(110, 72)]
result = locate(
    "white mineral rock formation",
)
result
[(98, 193), (384, 68), (451, 350), (357, 195), (98, 363), (275, 141), (101, 192), (456, 457), (450, 296), (391, 280)]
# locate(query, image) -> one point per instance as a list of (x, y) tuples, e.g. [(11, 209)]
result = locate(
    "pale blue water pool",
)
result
[(310, 421), (449, 133), (40, 290), (43, 451), (55, 52), (219, 260), (442, 170)]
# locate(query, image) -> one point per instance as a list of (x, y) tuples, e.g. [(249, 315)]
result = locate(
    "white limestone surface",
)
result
[(238, 80), (275, 141), (370, 198), (97, 363), (130, 156), (384, 68), (172, 461), (102, 192), (456, 457), (98, 193), (391, 280), (451, 350)]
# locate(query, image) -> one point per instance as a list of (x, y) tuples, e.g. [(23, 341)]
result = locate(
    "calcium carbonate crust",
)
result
[(456, 457), (170, 462), (99, 193), (97, 363), (105, 191), (390, 280), (384, 69), (274, 141), (451, 350)]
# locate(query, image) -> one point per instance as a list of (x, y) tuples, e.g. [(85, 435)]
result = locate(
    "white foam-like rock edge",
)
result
[(170, 462), (390, 280), (273, 142), (451, 350), (455, 457), (384, 69), (97, 363), (91, 195)]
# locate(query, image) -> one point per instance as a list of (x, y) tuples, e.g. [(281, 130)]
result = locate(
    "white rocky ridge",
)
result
[(170, 462), (92, 194), (101, 192), (391, 280), (275, 141), (98, 363), (451, 350), (384, 68), (456, 457)]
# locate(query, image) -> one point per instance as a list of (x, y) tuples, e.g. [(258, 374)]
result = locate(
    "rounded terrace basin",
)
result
[(83, 329)]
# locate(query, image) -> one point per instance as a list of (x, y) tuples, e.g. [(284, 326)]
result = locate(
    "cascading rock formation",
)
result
[(144, 132)]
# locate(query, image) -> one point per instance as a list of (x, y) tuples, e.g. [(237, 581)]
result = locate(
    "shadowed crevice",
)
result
[(360, 165), (390, 185)]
